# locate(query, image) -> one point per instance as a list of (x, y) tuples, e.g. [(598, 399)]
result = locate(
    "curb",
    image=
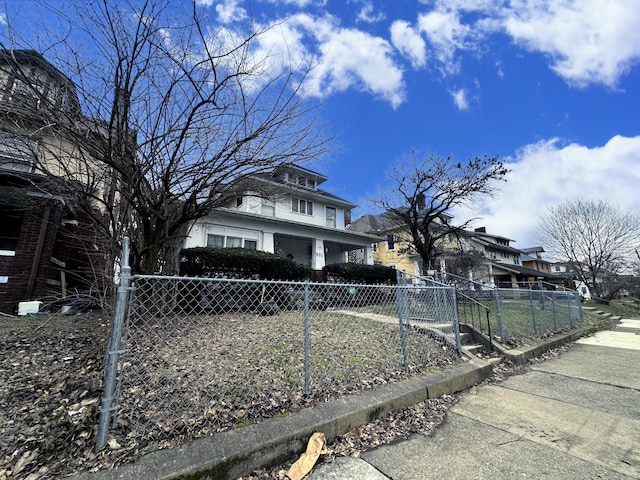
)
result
[(522, 355), (231, 454)]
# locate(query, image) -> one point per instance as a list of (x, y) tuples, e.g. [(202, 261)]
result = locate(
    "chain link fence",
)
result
[(515, 314), (197, 356)]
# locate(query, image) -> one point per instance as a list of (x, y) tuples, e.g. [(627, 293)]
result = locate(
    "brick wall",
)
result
[(18, 268)]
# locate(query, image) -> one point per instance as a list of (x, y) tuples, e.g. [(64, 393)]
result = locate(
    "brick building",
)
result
[(40, 249)]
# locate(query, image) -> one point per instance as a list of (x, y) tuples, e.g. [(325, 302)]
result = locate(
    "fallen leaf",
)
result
[(113, 444)]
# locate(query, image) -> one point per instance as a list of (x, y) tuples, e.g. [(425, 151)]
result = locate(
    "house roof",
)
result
[(19, 58), (273, 179), (383, 222), (533, 250), (380, 223), (486, 240), (293, 168)]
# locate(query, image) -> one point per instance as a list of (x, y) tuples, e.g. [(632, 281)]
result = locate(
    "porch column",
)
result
[(368, 255), (268, 244), (317, 259)]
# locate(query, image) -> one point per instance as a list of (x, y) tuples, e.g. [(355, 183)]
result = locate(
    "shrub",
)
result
[(359, 273), (239, 263)]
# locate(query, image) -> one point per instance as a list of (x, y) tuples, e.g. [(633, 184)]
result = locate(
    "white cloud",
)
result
[(409, 43), (351, 58), (587, 41), (296, 3), (343, 58), (367, 14), (3, 19), (229, 11), (446, 34), (546, 173), (460, 99), (590, 41)]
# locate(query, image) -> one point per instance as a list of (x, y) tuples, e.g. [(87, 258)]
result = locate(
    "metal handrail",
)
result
[(487, 312)]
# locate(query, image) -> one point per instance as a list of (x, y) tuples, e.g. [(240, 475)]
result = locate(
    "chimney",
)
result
[(347, 218), (481, 230)]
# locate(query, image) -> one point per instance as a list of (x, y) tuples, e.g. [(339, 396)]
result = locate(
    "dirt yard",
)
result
[(52, 370)]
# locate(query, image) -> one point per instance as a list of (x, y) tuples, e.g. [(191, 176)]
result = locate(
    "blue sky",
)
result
[(552, 87)]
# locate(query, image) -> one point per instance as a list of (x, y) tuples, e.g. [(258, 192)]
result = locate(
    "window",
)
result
[(391, 244), (268, 208), (215, 241), (16, 153), (374, 247), (11, 220), (331, 217), (238, 201), (25, 93), (221, 241), (234, 242), (302, 206)]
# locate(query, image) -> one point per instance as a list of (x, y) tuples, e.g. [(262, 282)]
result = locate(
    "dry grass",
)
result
[(182, 380)]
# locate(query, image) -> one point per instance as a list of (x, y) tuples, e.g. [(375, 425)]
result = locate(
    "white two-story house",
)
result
[(285, 213)]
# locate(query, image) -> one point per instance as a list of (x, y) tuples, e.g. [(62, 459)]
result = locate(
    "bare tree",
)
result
[(174, 116), (460, 262), (425, 190), (597, 238)]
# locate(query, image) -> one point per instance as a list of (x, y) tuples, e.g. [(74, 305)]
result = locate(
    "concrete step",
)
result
[(472, 349)]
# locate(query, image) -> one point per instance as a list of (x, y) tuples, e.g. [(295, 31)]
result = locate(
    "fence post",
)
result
[(496, 293), (544, 300), (402, 315), (579, 303), (553, 309), (307, 388), (112, 355), (456, 319), (533, 313)]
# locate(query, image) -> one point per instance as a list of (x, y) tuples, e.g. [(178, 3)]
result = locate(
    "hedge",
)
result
[(359, 273), (240, 262)]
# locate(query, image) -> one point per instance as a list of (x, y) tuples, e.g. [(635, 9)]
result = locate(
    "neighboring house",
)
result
[(503, 264), (37, 243), (565, 275), (284, 212), (532, 258), (492, 260), (394, 247)]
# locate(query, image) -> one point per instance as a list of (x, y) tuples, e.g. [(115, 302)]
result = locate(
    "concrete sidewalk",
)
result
[(573, 416)]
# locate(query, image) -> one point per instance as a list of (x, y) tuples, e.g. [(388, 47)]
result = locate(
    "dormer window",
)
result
[(300, 180), (302, 206)]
